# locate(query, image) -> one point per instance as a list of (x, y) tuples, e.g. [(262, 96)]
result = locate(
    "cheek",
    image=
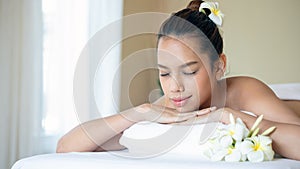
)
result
[(204, 87), (200, 86), (164, 84)]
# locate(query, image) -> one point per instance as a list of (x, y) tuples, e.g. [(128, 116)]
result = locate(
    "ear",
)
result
[(220, 66)]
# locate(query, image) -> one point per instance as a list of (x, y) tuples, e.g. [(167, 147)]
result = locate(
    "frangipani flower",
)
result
[(257, 148), (218, 151), (228, 153), (216, 15), (234, 142), (230, 138), (234, 155), (236, 129), (224, 150)]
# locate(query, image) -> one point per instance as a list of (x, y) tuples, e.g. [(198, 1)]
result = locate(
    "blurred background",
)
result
[(41, 41)]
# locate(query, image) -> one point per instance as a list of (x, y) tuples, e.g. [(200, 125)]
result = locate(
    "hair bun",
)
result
[(194, 5)]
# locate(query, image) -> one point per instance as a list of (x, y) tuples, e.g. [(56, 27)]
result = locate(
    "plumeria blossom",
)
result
[(236, 129), (230, 153), (216, 15), (221, 144), (234, 142), (258, 148), (227, 151)]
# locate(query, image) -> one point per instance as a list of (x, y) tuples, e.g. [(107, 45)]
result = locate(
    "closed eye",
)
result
[(164, 74), (190, 73)]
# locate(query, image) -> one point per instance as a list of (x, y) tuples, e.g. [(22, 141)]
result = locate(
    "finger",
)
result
[(195, 120), (198, 112), (188, 114), (205, 111), (161, 108), (184, 117)]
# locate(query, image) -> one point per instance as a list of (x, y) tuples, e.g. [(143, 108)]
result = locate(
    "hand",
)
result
[(215, 115), (165, 115)]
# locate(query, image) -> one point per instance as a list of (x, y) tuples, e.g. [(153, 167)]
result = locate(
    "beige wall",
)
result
[(261, 39)]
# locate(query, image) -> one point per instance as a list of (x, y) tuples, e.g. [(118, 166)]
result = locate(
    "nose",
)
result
[(176, 84)]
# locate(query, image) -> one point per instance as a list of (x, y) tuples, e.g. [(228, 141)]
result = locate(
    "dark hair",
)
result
[(191, 21)]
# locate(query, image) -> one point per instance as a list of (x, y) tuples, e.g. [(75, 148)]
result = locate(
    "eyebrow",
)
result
[(181, 66)]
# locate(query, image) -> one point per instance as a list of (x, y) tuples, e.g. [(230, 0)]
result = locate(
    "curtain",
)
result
[(21, 79), (22, 96), (106, 80)]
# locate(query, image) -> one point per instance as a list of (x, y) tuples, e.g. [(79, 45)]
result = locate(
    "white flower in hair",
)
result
[(216, 15)]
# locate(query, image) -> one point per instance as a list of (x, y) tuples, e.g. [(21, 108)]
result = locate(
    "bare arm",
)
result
[(89, 136), (285, 138), (103, 134), (259, 99)]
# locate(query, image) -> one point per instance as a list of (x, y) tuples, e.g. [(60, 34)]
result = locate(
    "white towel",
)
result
[(148, 139)]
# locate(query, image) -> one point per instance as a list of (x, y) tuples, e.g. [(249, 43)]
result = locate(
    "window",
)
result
[(65, 34), (68, 25)]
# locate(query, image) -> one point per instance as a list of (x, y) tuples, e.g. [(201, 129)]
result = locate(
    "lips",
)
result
[(180, 101)]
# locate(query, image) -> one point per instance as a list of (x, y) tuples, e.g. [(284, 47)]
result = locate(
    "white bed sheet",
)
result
[(110, 161)]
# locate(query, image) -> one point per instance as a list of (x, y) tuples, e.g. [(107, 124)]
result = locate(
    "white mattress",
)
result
[(147, 150), (184, 153), (109, 161)]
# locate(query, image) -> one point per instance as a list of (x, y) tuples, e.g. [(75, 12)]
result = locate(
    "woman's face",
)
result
[(183, 75)]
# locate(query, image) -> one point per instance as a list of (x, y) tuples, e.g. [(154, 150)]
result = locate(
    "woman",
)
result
[(191, 64)]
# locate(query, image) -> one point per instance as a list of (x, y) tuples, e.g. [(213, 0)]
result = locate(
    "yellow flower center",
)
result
[(230, 150), (231, 132), (215, 11), (256, 147)]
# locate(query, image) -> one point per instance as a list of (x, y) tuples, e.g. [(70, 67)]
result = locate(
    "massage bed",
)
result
[(141, 154)]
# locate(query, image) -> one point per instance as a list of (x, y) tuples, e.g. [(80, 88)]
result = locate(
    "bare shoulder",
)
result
[(253, 95), (246, 84), (243, 92)]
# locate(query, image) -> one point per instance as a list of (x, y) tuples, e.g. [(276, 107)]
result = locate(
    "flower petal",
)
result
[(264, 140), (216, 19), (239, 121), (255, 132), (235, 156), (226, 141), (204, 5), (239, 132), (246, 147), (256, 123), (216, 5), (268, 131), (231, 118), (208, 5), (254, 139), (244, 157), (268, 154), (255, 156), (218, 156)]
